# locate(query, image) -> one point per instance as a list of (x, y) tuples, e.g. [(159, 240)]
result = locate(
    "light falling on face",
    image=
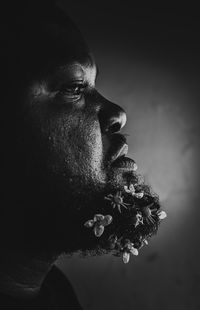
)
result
[(70, 153), (73, 125), (66, 117)]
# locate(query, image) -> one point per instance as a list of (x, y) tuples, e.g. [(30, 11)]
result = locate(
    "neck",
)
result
[(21, 275)]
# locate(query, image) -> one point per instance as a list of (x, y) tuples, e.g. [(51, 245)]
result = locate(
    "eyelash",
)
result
[(72, 91)]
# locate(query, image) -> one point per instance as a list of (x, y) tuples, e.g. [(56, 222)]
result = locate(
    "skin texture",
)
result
[(60, 137), (56, 135)]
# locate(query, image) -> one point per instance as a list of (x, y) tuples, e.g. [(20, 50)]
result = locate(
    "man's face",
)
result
[(74, 125), (70, 151)]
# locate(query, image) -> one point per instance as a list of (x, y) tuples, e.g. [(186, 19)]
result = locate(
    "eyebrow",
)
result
[(61, 70)]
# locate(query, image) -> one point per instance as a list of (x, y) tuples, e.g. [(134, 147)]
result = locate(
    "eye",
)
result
[(72, 90)]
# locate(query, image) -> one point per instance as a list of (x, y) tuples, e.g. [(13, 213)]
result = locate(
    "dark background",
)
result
[(149, 64)]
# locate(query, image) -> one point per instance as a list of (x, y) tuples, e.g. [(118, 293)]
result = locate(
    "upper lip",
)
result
[(118, 148)]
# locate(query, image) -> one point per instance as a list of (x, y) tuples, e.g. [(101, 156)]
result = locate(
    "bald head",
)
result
[(62, 151), (37, 37)]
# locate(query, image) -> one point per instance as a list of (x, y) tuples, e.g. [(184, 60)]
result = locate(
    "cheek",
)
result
[(76, 143)]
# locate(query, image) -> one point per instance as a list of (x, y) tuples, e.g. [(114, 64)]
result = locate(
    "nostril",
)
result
[(111, 124), (118, 122), (111, 116), (114, 127)]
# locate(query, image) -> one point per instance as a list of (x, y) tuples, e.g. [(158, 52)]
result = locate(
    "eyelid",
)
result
[(73, 84), (71, 92), (68, 83)]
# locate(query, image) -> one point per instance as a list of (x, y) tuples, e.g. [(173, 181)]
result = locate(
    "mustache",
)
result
[(118, 143), (127, 217)]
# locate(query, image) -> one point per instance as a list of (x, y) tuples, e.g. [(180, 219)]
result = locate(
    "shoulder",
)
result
[(56, 283)]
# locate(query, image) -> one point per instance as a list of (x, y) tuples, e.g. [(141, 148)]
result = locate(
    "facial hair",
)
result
[(133, 222), (55, 220)]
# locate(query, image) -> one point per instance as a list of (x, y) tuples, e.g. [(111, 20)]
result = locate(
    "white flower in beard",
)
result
[(128, 249), (98, 223), (131, 190)]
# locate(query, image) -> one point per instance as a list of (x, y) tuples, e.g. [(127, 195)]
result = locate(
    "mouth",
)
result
[(118, 153), (124, 163), (131, 212)]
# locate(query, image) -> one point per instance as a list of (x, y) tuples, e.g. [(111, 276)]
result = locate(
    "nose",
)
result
[(112, 117)]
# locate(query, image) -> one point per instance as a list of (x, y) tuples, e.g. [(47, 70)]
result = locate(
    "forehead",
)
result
[(67, 52), (45, 45)]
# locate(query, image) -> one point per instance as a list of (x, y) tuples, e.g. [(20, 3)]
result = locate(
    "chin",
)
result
[(118, 218), (122, 218)]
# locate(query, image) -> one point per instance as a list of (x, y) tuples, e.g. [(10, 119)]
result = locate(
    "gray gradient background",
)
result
[(149, 64)]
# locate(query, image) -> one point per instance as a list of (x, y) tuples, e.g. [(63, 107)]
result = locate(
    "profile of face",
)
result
[(64, 156)]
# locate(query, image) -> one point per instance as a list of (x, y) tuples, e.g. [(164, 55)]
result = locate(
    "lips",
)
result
[(117, 153), (125, 163), (121, 152)]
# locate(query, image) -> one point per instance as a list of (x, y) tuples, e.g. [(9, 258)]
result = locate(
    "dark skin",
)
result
[(62, 139), (61, 146)]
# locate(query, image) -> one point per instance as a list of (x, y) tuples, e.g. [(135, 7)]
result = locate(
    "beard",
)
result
[(122, 219), (117, 216)]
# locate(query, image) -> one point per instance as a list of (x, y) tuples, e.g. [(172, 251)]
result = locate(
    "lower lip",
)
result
[(124, 163)]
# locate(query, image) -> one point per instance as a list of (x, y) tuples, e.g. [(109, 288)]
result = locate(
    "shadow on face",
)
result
[(57, 128)]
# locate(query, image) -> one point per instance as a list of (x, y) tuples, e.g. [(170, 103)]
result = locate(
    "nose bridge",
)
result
[(111, 116)]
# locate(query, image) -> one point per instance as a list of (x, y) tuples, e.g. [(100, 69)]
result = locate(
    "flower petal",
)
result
[(98, 230), (162, 215), (108, 198), (89, 223), (126, 189), (132, 188), (129, 245), (134, 251), (135, 167), (112, 240), (138, 219), (126, 257), (107, 220), (98, 217)]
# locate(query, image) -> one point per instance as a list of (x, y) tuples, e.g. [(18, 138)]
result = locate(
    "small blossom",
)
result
[(162, 215), (138, 219), (131, 190), (149, 213), (98, 230), (126, 257), (89, 223), (139, 195), (112, 241), (128, 249), (98, 223), (117, 201)]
